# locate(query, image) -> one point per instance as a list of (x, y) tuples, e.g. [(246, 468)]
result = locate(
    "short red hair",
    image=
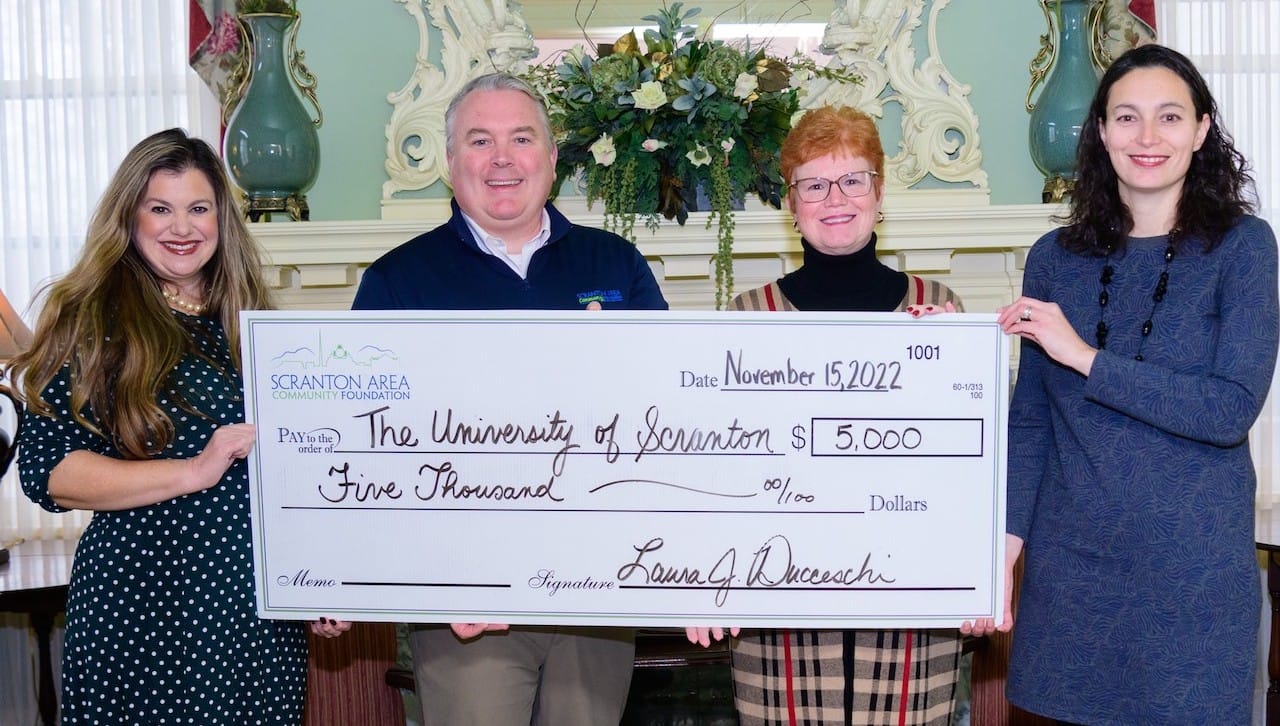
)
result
[(831, 130)]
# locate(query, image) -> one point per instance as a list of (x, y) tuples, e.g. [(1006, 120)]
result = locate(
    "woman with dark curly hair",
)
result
[(1149, 329)]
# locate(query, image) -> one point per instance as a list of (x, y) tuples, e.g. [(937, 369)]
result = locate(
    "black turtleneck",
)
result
[(856, 283)]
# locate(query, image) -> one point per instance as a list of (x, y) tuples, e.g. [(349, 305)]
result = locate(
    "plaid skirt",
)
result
[(854, 677)]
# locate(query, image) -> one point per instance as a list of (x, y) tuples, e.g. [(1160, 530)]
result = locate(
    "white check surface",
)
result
[(754, 469)]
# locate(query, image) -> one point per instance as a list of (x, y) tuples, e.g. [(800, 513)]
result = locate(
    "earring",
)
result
[(795, 225), (879, 216)]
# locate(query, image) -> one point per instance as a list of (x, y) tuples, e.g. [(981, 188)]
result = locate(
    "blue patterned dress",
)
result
[(162, 626), (1133, 488)]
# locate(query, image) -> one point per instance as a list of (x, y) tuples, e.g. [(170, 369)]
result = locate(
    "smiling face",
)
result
[(501, 163), (1150, 132), (839, 224), (175, 229)]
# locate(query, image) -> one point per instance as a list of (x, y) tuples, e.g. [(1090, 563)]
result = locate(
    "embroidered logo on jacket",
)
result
[(600, 296)]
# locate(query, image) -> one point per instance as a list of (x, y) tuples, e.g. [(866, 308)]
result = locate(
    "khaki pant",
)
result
[(527, 676)]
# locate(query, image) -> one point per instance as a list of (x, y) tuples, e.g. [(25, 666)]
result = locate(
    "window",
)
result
[(1233, 44), (81, 81)]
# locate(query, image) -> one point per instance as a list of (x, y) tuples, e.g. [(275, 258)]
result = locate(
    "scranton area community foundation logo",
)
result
[(328, 373)]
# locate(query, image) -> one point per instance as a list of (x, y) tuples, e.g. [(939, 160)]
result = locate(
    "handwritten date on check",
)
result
[(624, 468)]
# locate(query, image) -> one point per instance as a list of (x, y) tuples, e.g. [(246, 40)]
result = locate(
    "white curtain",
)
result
[(1234, 43), (81, 81)]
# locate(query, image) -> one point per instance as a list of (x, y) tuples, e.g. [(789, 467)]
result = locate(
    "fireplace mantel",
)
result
[(976, 249)]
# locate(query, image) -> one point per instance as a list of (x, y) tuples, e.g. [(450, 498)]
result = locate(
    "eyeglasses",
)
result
[(817, 189)]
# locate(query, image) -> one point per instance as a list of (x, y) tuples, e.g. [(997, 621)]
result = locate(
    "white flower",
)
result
[(727, 145), (800, 77), (700, 156), (745, 86), (649, 96), (652, 145), (603, 150)]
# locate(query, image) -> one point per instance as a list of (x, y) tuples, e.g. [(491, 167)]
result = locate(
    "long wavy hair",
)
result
[(107, 318), (1215, 193)]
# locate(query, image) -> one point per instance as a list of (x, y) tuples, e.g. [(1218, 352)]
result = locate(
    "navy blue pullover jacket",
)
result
[(445, 269)]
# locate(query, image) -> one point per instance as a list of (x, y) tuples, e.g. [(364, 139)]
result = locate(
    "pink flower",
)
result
[(225, 37)]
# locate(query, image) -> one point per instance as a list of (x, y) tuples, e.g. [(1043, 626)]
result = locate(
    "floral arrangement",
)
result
[(282, 7), (646, 130)]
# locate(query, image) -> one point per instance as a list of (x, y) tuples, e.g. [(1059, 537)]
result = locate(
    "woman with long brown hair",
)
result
[(134, 410)]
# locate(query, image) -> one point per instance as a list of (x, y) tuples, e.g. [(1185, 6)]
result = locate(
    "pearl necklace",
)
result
[(181, 303), (1162, 287)]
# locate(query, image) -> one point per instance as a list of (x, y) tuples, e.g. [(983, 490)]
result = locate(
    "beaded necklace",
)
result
[(181, 303), (1162, 286)]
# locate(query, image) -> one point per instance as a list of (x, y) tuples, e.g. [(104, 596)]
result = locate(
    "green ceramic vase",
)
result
[(271, 147), (1063, 103)]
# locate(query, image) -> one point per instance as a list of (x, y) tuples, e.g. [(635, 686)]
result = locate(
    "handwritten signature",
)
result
[(773, 565)]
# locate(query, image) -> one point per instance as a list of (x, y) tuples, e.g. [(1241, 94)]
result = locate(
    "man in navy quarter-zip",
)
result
[(506, 247)]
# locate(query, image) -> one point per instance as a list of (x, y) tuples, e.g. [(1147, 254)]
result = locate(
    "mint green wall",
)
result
[(361, 51), (988, 45)]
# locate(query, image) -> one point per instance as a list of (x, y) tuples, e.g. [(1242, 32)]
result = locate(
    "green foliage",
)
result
[(282, 7), (645, 130)]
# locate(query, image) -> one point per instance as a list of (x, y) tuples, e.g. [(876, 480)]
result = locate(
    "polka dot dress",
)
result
[(161, 619)]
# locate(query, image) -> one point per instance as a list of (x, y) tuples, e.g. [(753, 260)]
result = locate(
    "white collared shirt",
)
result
[(496, 247)]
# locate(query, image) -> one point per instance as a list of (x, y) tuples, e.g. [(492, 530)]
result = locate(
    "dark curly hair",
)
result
[(1214, 194)]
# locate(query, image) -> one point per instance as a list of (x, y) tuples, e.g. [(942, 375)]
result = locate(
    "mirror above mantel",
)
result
[(878, 40), (571, 18)]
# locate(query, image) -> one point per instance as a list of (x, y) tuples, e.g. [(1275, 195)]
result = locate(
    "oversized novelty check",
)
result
[(624, 468)]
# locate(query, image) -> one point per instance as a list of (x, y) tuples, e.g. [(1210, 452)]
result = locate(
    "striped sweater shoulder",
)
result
[(768, 297), (920, 291), (923, 291)]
